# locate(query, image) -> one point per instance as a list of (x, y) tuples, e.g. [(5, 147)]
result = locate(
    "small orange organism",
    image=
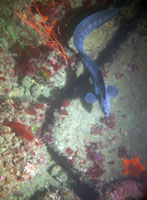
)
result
[(132, 167)]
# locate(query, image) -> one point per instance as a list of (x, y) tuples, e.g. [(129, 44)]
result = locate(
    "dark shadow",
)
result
[(83, 190), (38, 194), (126, 28), (75, 88)]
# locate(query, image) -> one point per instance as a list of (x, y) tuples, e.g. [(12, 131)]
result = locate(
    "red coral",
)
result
[(39, 106), (35, 52), (25, 68), (124, 189), (99, 158), (96, 157), (97, 130), (110, 121), (69, 151), (30, 111), (63, 112), (55, 65), (49, 11), (90, 150), (1, 72), (95, 172), (20, 129), (72, 59), (6, 91), (65, 103), (26, 52), (2, 78)]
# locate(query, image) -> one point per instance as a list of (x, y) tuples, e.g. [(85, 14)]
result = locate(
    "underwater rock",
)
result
[(35, 90), (122, 190), (27, 82), (55, 170)]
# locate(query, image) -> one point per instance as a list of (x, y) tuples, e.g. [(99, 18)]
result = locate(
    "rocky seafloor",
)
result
[(54, 145)]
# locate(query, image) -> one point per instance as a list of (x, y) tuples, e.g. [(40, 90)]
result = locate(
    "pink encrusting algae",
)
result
[(110, 121), (123, 190), (20, 130)]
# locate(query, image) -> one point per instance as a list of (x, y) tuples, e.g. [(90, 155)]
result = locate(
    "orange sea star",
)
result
[(132, 167)]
